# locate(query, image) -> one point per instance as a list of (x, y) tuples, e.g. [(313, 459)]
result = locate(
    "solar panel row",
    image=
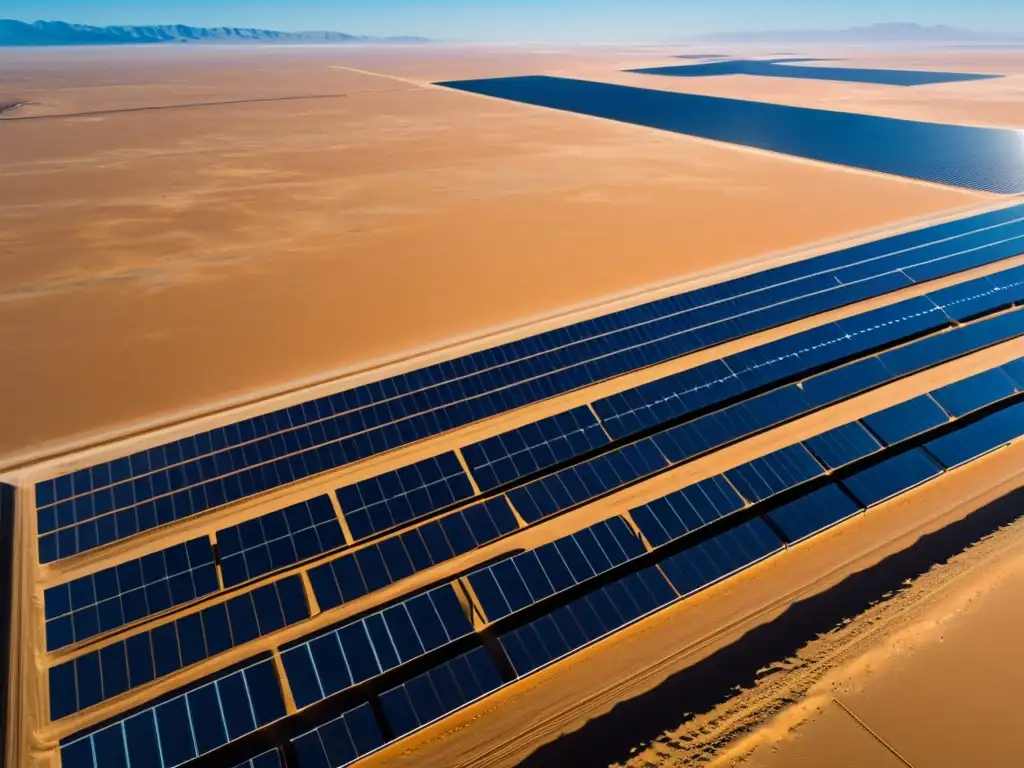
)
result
[(438, 692), (167, 482), (359, 650), (113, 597), (585, 619), (534, 447), (278, 539), (687, 510), (527, 578), (140, 659), (393, 498), (353, 575), (339, 742), (176, 731)]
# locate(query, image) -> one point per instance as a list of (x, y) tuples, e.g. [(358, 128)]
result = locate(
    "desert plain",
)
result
[(191, 235)]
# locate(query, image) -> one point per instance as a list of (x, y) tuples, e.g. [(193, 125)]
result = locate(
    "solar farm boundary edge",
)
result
[(49, 461)]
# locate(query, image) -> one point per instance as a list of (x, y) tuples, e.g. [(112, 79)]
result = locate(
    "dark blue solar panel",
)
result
[(986, 159), (813, 512), (116, 596), (838, 447), (774, 473), (776, 68), (905, 420), (393, 498), (586, 481), (585, 619), (339, 742), (536, 446), (835, 385), (115, 669), (278, 539), (964, 302), (349, 577), (95, 506), (959, 341), (363, 649), (962, 397), (711, 560), (439, 691), (687, 510), (191, 724), (973, 440), (525, 579), (891, 476)]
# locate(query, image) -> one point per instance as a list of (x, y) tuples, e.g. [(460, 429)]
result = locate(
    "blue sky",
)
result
[(632, 20)]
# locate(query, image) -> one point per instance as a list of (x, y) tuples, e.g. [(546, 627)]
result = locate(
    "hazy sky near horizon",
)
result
[(528, 19)]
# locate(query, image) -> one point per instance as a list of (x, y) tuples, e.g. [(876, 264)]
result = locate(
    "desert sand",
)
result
[(191, 236), (168, 261)]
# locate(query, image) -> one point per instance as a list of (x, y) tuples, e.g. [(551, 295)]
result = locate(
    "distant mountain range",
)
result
[(877, 33), (22, 34)]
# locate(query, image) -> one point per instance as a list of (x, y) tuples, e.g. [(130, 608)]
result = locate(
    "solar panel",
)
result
[(520, 581), (393, 498), (193, 723), (970, 441), (838, 447), (715, 558), (439, 691), (278, 539), (353, 575), (359, 650), (142, 658), (585, 619), (846, 381), (687, 510), (964, 302), (936, 349), (133, 590), (891, 476), (341, 741), (905, 420), (536, 446), (813, 512), (271, 759), (962, 397), (203, 471), (774, 473), (931, 152), (586, 481)]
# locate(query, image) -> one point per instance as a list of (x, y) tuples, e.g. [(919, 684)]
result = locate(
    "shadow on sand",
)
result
[(634, 724)]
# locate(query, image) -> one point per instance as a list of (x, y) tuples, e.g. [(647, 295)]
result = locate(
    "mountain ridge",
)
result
[(23, 34)]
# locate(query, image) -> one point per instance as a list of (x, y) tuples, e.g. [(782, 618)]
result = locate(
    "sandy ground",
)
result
[(169, 253), (168, 261)]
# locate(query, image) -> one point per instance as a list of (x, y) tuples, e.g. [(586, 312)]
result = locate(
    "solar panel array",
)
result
[(389, 638), (148, 656), (366, 648), (540, 445), (111, 501), (353, 575), (278, 539), (393, 498), (113, 597), (513, 584), (176, 731), (443, 689), (341, 741)]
